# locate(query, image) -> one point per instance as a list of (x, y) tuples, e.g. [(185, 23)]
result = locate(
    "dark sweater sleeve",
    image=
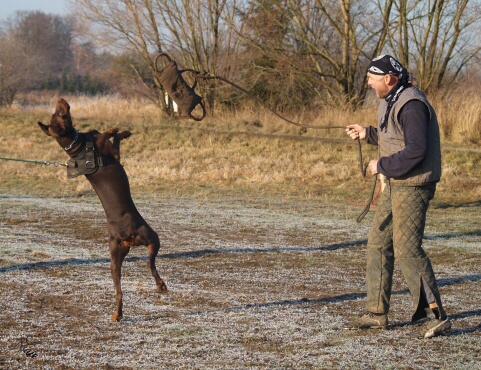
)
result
[(371, 135), (414, 119)]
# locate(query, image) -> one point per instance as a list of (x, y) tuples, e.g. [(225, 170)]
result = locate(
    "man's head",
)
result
[(383, 74)]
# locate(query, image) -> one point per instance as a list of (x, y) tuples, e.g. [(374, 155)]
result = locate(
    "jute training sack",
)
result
[(180, 92)]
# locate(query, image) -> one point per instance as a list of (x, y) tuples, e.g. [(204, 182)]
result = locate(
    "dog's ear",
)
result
[(44, 128)]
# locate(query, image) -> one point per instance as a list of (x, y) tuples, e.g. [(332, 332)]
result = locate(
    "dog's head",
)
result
[(61, 122)]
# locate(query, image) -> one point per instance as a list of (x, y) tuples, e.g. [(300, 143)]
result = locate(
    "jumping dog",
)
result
[(126, 226)]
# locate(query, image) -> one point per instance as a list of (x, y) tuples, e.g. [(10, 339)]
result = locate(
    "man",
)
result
[(409, 167)]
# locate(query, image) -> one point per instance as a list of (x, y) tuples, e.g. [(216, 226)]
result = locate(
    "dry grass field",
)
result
[(260, 248)]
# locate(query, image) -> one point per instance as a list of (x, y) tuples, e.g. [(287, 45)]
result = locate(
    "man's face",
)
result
[(382, 85)]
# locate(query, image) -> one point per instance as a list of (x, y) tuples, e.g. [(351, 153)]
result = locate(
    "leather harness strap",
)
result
[(88, 161)]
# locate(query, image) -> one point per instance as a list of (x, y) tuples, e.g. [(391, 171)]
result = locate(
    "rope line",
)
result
[(363, 167), (206, 76)]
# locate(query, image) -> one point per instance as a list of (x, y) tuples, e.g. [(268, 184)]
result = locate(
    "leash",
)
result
[(45, 163), (368, 205)]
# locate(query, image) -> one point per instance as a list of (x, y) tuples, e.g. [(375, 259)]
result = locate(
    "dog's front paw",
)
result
[(124, 135), (111, 132)]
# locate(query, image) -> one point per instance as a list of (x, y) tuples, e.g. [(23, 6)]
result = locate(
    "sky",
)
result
[(9, 7)]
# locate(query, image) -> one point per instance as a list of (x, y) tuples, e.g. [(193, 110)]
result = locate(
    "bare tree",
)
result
[(339, 35), (267, 70), (193, 31), (437, 38), (200, 33), (12, 78), (125, 27), (316, 50), (327, 41), (35, 46)]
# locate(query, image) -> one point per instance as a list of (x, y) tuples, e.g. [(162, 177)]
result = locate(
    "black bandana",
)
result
[(386, 64)]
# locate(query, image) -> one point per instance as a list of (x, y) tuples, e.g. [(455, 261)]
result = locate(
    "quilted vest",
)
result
[(391, 141)]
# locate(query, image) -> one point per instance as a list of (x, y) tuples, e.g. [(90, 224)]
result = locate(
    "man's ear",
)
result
[(44, 128), (391, 80)]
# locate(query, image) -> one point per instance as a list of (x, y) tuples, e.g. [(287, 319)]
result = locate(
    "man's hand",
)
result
[(356, 132), (373, 167)]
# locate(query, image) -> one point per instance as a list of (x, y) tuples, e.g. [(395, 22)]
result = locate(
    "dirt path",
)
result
[(254, 283)]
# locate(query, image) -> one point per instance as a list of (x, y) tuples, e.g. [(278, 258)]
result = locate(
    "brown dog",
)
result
[(125, 225)]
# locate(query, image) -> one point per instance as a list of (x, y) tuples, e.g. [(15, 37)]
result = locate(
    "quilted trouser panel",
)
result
[(380, 256), (397, 232), (410, 205)]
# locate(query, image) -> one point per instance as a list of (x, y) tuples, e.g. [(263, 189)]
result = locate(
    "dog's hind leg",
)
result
[(117, 256), (153, 250)]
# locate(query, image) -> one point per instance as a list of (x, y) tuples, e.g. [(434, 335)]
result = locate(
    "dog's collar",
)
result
[(73, 142)]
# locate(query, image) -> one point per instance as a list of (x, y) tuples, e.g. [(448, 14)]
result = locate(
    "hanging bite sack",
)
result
[(180, 92)]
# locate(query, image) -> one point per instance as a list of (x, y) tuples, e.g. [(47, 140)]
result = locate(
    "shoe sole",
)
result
[(376, 327), (439, 329)]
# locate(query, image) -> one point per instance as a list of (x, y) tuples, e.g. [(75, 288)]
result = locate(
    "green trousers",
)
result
[(396, 232)]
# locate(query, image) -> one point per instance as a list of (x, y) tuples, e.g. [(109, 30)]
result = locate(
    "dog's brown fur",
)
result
[(126, 226)]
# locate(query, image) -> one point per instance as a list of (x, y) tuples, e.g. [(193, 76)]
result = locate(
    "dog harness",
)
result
[(88, 161)]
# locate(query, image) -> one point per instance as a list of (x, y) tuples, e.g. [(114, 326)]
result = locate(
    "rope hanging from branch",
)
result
[(170, 77)]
